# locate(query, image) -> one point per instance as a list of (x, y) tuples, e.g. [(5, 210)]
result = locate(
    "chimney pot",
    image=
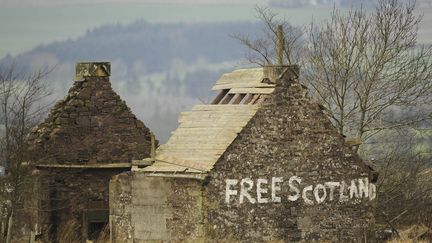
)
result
[(92, 69)]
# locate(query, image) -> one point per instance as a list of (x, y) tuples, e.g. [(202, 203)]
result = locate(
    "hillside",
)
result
[(159, 69)]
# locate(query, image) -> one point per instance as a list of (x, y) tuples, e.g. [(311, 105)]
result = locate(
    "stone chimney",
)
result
[(92, 69), (92, 124), (273, 72)]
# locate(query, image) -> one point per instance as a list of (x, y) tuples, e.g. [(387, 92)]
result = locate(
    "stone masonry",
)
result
[(289, 137), (90, 125), (88, 137), (288, 176), (148, 209)]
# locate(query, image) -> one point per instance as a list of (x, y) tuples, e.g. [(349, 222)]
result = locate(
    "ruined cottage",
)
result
[(88, 137), (261, 163)]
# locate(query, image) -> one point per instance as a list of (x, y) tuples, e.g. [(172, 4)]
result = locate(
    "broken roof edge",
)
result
[(182, 172), (276, 72), (85, 166), (185, 175), (179, 167), (176, 165), (257, 78), (280, 74)]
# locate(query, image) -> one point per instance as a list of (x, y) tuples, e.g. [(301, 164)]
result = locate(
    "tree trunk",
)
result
[(9, 230), (2, 226), (32, 237)]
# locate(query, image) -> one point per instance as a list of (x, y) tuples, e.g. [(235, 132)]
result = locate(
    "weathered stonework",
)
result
[(120, 203), (67, 195), (289, 136), (89, 136), (288, 176), (147, 208), (90, 125)]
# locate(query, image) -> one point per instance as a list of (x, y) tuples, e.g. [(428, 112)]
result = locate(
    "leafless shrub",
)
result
[(69, 232), (363, 66), (374, 80), (21, 106), (263, 50), (104, 235)]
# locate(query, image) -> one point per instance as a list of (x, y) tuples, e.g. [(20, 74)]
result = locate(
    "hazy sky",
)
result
[(67, 2), (25, 24)]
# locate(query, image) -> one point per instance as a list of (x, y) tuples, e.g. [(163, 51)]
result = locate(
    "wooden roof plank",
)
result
[(86, 166), (242, 85), (251, 90), (206, 132), (225, 108)]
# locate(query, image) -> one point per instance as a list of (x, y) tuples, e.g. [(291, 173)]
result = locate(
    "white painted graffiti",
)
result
[(264, 191)]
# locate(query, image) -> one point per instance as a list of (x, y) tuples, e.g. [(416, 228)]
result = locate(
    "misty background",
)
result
[(165, 55)]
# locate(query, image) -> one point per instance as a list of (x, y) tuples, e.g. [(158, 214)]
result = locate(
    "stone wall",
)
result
[(147, 208), (90, 125), (287, 177), (64, 198), (281, 178), (87, 131), (120, 204)]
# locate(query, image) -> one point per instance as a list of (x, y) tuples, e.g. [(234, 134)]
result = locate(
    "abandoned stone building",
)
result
[(261, 163), (88, 137)]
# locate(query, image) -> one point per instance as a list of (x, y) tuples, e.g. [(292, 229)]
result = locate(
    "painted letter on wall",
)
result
[(262, 190)]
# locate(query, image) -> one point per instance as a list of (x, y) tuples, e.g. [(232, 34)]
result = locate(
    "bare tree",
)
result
[(404, 187), (361, 65), (364, 66), (22, 103), (263, 50), (367, 69)]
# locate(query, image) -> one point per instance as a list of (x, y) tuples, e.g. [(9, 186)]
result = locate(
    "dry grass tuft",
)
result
[(415, 233)]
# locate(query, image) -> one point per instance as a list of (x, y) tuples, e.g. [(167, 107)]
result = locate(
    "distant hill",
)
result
[(337, 3), (159, 69), (156, 45)]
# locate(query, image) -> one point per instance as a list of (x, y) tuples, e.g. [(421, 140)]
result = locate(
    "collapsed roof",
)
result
[(206, 132)]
